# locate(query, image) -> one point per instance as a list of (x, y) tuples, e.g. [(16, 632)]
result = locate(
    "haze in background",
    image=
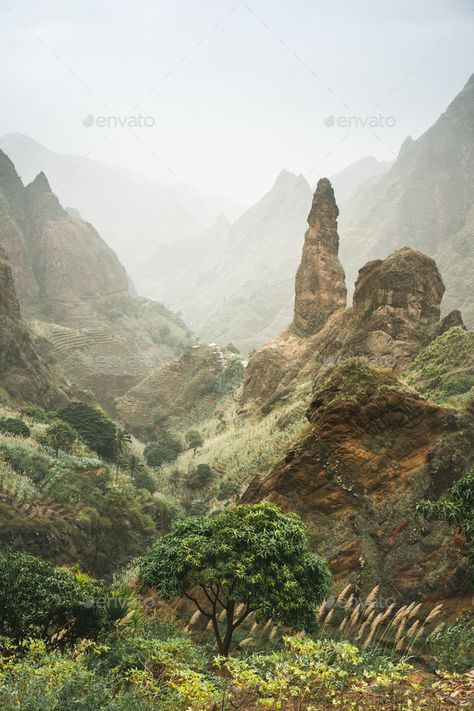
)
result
[(234, 91)]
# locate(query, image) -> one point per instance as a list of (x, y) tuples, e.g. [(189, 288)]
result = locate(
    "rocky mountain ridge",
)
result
[(375, 446), (75, 292)]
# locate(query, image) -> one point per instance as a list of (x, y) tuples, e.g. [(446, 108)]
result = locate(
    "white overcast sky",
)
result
[(237, 91)]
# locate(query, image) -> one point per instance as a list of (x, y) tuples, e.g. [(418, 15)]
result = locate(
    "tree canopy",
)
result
[(248, 559)]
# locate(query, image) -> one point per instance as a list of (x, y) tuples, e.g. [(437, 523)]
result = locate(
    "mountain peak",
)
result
[(320, 280), (40, 184)]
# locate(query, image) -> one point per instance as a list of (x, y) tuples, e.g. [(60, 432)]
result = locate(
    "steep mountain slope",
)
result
[(425, 200), (119, 203), (24, 377), (347, 182), (65, 275), (373, 446)]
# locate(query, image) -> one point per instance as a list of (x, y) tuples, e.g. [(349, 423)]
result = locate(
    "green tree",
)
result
[(121, 444), (94, 427), (165, 450), (250, 558), (194, 440), (456, 508), (36, 600), (60, 435)]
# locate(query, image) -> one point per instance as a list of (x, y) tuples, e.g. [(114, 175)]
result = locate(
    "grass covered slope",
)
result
[(71, 505), (444, 370)]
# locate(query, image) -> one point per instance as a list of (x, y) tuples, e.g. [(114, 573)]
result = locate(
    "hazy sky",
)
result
[(235, 91)]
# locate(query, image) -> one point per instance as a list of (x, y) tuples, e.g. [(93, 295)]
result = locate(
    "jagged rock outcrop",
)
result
[(86, 323), (396, 308), (24, 377), (396, 312), (320, 287), (425, 200), (375, 449), (63, 270)]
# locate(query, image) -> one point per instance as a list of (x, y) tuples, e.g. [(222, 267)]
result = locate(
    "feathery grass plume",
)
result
[(372, 595), (273, 633), (366, 624), (399, 645), (222, 615), (321, 610), (435, 612), (388, 612), (267, 626), (209, 625), (329, 616), (355, 615), (349, 603), (411, 630), (195, 618), (253, 628), (373, 629), (248, 642), (399, 615), (343, 624), (342, 594), (400, 630), (414, 611), (369, 609)]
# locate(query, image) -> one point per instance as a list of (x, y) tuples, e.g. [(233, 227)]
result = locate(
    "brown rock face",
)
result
[(396, 307), (63, 270), (375, 450), (320, 279), (23, 375)]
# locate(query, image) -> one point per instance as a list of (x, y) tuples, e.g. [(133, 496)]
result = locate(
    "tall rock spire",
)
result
[(320, 279)]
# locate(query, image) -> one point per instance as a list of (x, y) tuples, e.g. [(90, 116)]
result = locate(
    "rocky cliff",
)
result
[(75, 291), (375, 449), (320, 279), (24, 377), (375, 446)]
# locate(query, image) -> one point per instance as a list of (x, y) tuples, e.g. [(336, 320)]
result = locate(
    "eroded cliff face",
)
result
[(320, 287), (376, 446), (24, 377), (63, 270), (75, 293), (375, 449)]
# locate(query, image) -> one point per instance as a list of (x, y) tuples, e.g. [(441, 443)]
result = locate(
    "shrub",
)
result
[(15, 426), (60, 435), (38, 601), (194, 439), (228, 489), (200, 476), (94, 427), (452, 644), (165, 450)]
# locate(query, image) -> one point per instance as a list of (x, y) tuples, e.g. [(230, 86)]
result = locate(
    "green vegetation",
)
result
[(250, 559), (94, 426), (14, 426), (456, 508), (166, 450), (60, 435), (37, 601), (69, 506), (194, 440), (444, 370), (452, 644)]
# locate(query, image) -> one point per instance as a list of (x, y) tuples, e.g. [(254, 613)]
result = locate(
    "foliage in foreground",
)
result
[(457, 508), (248, 559)]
